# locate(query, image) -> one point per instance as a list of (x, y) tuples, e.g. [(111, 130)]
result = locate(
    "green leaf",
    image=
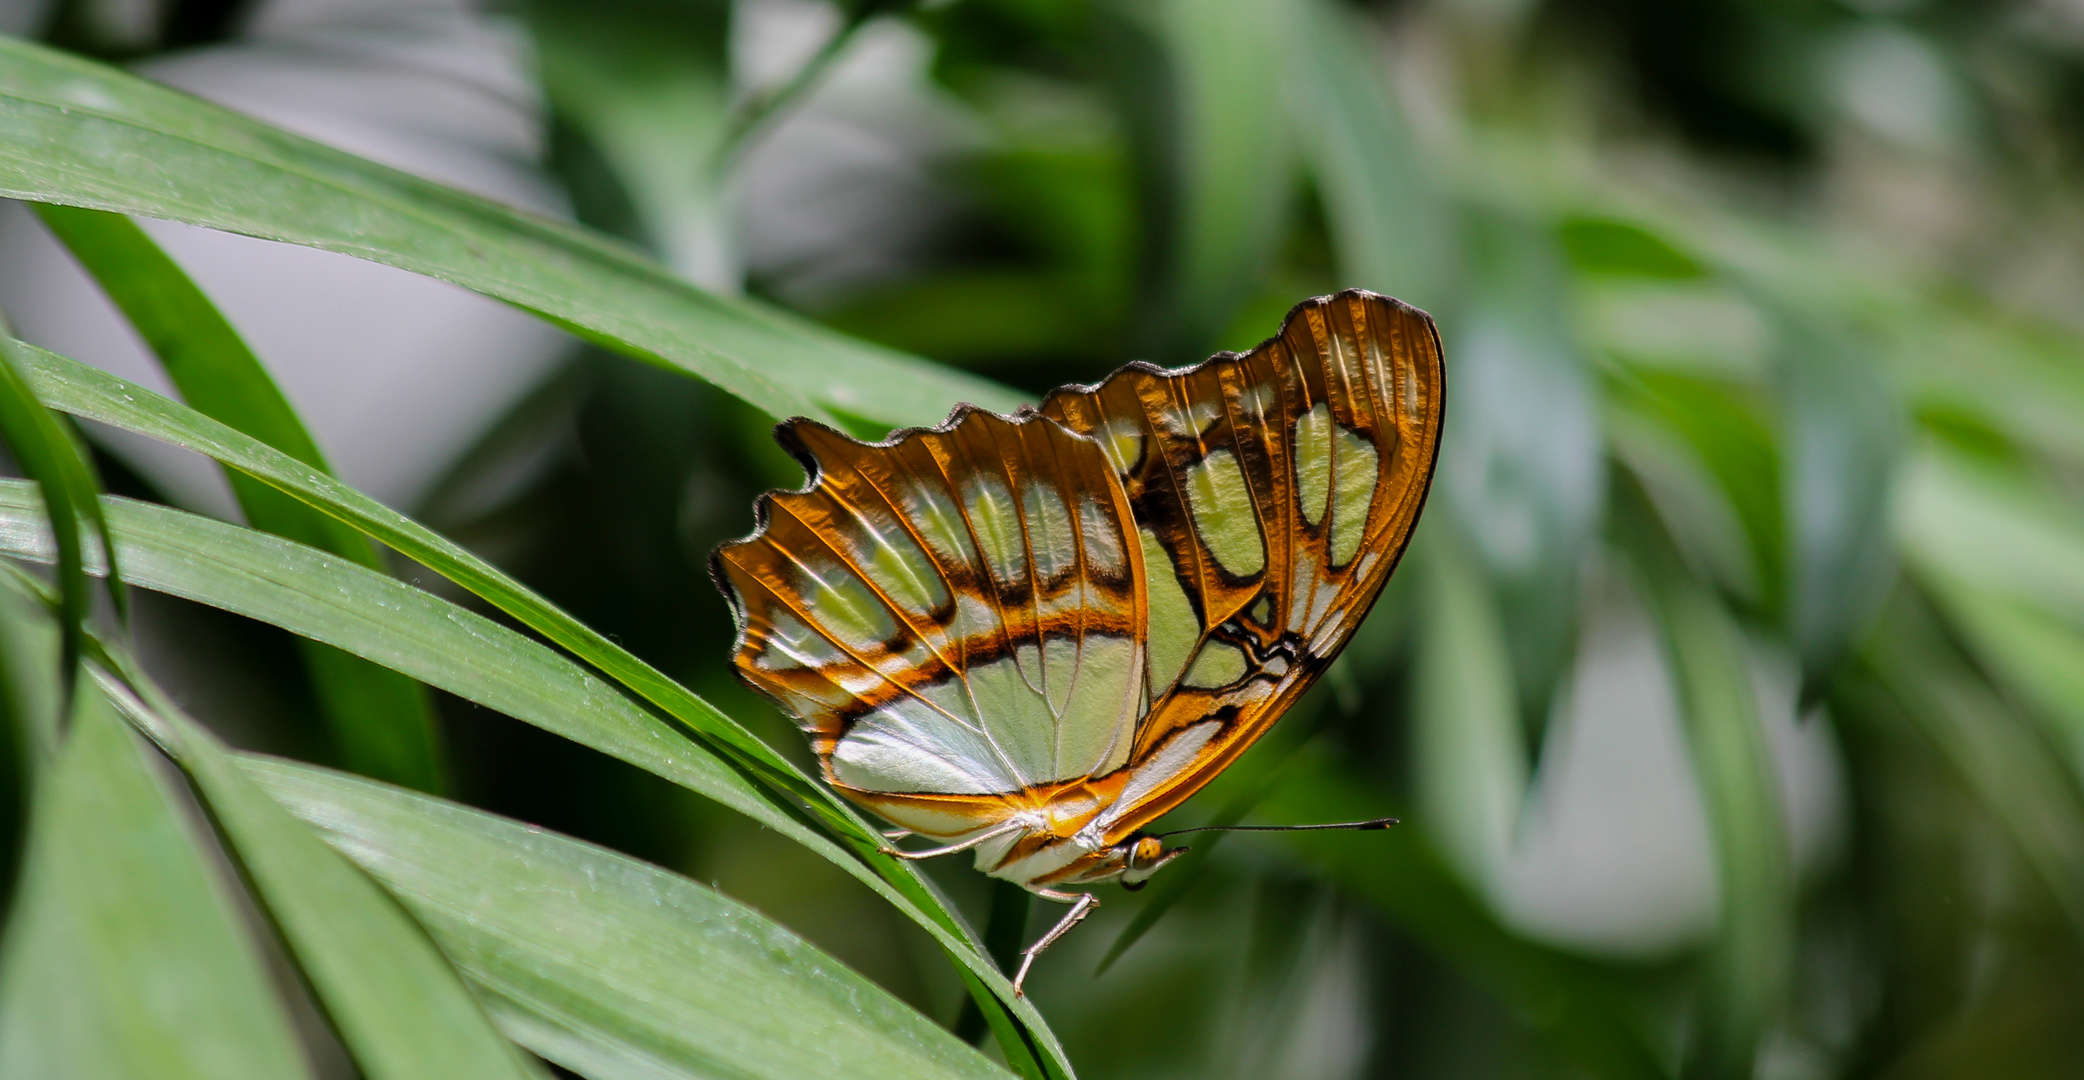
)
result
[(74, 387), (84, 134), (125, 956), (382, 723), (1599, 244), (399, 1008), (1391, 230), (611, 967), (47, 453)]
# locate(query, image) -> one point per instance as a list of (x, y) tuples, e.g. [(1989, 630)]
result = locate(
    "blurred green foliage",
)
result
[(1766, 430)]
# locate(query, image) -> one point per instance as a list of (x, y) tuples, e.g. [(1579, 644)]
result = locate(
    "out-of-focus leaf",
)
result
[(47, 453), (377, 617), (647, 84), (1469, 751), (611, 967), (1610, 245), (1235, 164), (1726, 426), (83, 134), (1752, 961), (381, 722), (84, 391), (1581, 1008), (125, 956), (1521, 464), (1988, 527), (1843, 430), (1391, 230), (400, 1009)]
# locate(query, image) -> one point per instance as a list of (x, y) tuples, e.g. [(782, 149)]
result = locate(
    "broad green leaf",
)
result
[(1390, 228), (74, 387), (1468, 746), (1235, 165), (84, 134), (1989, 527), (125, 956), (381, 723), (1580, 1007), (1750, 967), (47, 453), (400, 1009), (611, 967)]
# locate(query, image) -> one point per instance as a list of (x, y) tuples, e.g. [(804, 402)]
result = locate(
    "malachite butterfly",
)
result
[(1033, 635)]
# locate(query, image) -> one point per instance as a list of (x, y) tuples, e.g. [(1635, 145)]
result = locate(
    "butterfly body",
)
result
[(1033, 635)]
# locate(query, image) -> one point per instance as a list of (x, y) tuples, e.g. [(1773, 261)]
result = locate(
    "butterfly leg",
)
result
[(1082, 905), (929, 853)]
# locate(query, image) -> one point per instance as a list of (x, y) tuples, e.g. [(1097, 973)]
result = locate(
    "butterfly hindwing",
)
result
[(1274, 492)]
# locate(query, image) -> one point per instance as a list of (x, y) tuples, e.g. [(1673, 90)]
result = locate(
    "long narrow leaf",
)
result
[(80, 133), (611, 967), (125, 956), (381, 722), (47, 454), (74, 387)]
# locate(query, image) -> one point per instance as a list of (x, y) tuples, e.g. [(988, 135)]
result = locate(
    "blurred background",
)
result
[(1733, 692)]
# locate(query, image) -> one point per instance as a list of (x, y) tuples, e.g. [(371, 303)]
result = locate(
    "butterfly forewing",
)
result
[(1275, 492), (1087, 611)]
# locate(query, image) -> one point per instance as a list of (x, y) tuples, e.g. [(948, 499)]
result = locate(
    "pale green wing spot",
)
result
[(1218, 664), (1356, 467), (997, 524), (1122, 439), (844, 605), (1172, 627), (1224, 515), (1263, 611), (903, 572), (1050, 538), (1313, 462), (1103, 545), (936, 518)]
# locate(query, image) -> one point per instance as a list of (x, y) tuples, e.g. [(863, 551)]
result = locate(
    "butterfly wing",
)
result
[(954, 615), (1273, 492)]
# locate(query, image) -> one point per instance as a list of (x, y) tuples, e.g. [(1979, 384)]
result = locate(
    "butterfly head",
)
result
[(1143, 856)]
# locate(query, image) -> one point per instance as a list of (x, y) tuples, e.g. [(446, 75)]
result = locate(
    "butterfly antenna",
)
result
[(1355, 826)]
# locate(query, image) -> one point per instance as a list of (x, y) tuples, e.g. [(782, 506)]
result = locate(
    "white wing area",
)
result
[(995, 729)]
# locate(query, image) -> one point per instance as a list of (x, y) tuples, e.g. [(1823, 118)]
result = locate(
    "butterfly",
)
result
[(1031, 636)]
